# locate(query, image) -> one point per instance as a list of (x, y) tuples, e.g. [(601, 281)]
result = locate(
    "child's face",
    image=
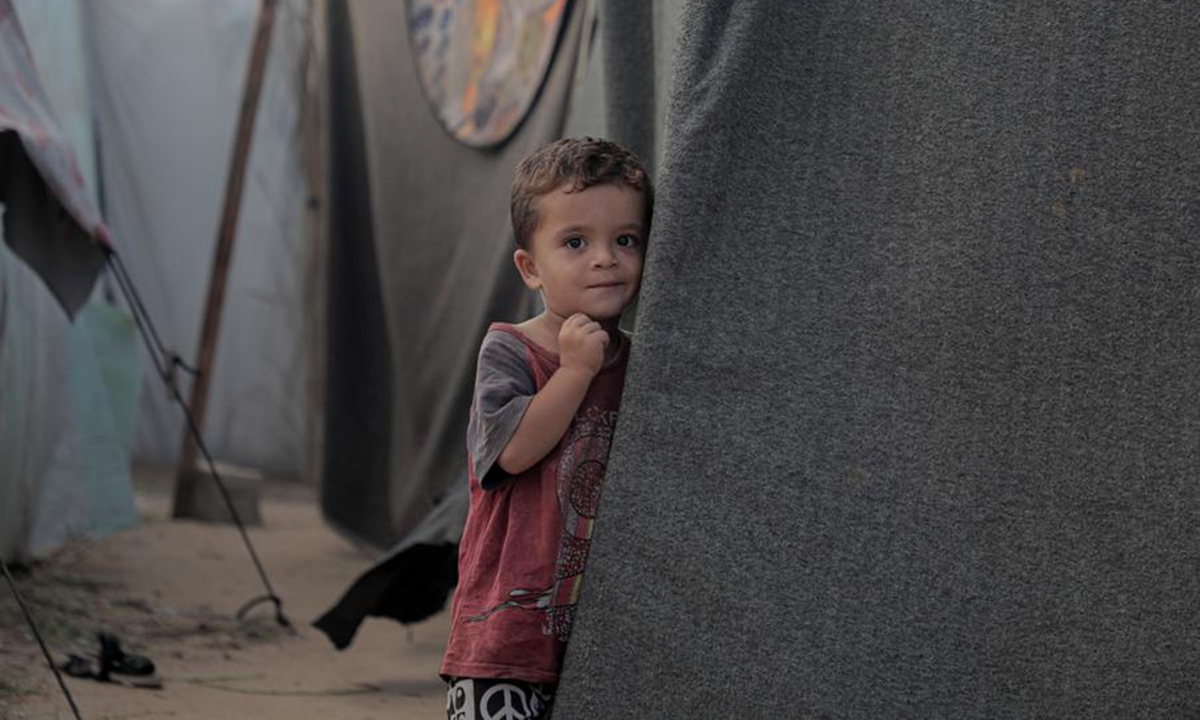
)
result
[(586, 253)]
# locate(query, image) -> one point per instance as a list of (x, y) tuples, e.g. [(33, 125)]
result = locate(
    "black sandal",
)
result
[(114, 665), (80, 667), (125, 668)]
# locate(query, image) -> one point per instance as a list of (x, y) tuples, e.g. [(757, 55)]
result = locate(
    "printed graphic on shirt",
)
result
[(579, 480)]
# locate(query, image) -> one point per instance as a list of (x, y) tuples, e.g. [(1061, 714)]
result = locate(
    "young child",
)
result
[(545, 406)]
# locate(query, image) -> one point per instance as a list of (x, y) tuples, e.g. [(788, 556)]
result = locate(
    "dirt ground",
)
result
[(170, 590)]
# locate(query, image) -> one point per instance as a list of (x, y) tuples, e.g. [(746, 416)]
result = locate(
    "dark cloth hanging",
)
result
[(409, 584)]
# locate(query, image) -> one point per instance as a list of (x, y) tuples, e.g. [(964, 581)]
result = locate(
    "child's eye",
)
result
[(574, 243), (627, 240)]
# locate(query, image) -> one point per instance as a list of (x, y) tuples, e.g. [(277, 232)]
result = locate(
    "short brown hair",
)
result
[(581, 163)]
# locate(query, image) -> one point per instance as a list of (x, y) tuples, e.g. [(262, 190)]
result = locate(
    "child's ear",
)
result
[(528, 269)]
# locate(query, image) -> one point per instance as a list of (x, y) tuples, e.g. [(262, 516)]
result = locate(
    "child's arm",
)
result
[(581, 344)]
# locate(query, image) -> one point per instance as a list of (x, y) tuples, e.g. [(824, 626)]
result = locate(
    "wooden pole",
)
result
[(187, 479)]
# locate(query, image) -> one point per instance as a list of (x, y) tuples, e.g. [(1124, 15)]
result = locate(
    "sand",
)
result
[(170, 590)]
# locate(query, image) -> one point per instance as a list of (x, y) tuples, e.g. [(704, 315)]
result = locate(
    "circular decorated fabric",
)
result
[(482, 62)]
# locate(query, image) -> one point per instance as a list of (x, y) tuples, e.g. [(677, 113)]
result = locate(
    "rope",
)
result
[(12, 585), (166, 363)]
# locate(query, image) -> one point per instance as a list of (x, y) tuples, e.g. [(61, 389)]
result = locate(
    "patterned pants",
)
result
[(488, 699)]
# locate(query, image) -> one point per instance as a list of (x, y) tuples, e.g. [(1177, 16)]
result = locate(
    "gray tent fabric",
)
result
[(627, 36), (637, 43), (912, 422), (358, 378), (420, 263)]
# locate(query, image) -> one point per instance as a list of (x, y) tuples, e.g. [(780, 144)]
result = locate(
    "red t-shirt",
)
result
[(522, 553)]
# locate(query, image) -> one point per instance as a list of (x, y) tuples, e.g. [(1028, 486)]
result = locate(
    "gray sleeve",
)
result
[(504, 385)]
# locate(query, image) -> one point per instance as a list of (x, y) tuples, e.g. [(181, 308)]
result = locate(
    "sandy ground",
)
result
[(170, 590)]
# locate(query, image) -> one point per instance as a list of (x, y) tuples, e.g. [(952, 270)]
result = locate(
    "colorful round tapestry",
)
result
[(482, 62)]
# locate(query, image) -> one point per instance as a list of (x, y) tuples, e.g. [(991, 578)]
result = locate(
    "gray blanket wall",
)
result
[(912, 423)]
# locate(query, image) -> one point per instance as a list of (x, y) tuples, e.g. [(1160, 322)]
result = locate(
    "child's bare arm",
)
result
[(581, 344)]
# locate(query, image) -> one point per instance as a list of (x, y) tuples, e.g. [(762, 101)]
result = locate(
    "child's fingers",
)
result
[(578, 319), (585, 327), (583, 323), (597, 334)]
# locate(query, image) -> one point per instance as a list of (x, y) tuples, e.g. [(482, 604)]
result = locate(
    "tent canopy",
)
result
[(49, 219)]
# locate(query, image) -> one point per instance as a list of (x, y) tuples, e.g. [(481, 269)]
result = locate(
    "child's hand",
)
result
[(581, 343)]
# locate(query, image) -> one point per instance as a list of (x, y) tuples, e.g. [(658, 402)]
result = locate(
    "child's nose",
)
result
[(604, 256)]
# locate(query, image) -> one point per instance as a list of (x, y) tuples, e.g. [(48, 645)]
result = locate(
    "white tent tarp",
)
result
[(167, 81), (66, 388)]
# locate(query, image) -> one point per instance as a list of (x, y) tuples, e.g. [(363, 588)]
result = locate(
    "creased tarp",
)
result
[(167, 79), (50, 221), (68, 390), (54, 32), (420, 265), (912, 424), (67, 384)]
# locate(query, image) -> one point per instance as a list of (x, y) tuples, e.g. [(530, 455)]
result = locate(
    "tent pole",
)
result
[(187, 479)]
